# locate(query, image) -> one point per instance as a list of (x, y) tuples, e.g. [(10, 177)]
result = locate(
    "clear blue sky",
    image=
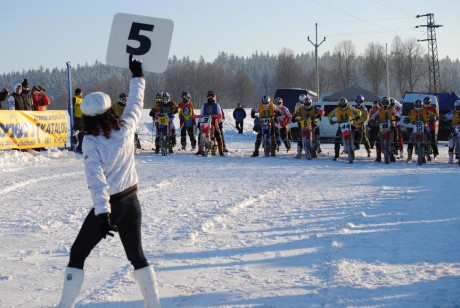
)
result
[(52, 32)]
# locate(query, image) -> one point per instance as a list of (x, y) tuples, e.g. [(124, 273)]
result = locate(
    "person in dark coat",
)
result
[(239, 114)]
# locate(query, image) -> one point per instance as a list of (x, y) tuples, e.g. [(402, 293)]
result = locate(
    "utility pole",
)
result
[(433, 63), (316, 59), (388, 71)]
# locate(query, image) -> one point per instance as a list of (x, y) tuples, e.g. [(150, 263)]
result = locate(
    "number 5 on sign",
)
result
[(147, 38)]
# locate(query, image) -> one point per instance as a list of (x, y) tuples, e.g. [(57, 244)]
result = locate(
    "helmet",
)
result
[(385, 102), (426, 102), (359, 99), (278, 100), (418, 105), (123, 96), (457, 106), (211, 96), (185, 96), (158, 96), (165, 97), (265, 100), (307, 102), (343, 103), (392, 102), (302, 98)]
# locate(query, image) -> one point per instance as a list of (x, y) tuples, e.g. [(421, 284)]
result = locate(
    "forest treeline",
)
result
[(236, 79)]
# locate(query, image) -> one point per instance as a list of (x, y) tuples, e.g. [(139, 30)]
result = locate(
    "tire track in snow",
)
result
[(17, 185)]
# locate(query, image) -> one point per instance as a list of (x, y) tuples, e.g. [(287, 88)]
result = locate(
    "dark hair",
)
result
[(104, 123)]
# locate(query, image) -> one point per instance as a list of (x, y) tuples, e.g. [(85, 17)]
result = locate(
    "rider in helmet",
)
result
[(373, 127), (398, 137), (361, 125), (343, 113), (433, 124), (303, 113), (265, 109), (282, 129), (164, 106), (187, 121), (383, 114), (454, 118), (212, 108), (121, 104), (418, 114)]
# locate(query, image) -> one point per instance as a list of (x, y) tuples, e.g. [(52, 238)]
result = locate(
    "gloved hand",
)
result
[(406, 120), (135, 66), (105, 225), (397, 118), (332, 122)]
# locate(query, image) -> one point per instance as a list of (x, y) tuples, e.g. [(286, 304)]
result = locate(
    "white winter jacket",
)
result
[(109, 163)]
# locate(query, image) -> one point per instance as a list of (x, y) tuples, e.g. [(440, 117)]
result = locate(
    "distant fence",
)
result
[(33, 129)]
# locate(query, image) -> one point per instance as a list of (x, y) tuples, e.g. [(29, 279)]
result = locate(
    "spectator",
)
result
[(26, 95), (3, 96), (39, 98), (77, 134), (239, 114), (15, 101)]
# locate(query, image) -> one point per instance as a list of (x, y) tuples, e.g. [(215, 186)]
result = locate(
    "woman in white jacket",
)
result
[(108, 151)]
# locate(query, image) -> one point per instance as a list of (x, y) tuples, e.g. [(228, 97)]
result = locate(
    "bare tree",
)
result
[(344, 58), (288, 72), (374, 65), (244, 90), (415, 62), (407, 63)]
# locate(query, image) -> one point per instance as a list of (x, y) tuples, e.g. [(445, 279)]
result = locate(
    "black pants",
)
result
[(184, 130), (239, 127), (126, 215)]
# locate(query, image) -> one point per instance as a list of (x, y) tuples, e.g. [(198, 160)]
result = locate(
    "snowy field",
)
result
[(237, 231)]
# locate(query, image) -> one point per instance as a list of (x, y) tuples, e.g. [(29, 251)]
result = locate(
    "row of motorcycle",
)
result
[(208, 144)]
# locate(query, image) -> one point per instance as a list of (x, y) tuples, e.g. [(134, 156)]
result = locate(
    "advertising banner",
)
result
[(33, 129)]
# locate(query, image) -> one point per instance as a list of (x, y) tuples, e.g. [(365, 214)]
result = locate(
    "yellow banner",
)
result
[(32, 129)]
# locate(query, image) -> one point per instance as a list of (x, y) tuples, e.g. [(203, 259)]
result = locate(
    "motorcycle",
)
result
[(267, 143), (207, 141), (346, 136), (454, 145), (308, 135), (420, 140), (386, 138)]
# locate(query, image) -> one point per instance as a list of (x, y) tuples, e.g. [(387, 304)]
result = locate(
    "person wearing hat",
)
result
[(3, 96), (108, 150), (77, 133), (15, 101), (39, 98), (26, 95), (119, 108)]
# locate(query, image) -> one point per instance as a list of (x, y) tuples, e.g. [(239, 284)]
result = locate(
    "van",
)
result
[(408, 104)]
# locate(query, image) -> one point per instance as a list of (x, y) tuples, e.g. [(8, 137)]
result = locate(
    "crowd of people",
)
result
[(24, 98), (365, 123)]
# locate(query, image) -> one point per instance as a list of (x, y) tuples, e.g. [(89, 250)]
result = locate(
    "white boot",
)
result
[(73, 280), (146, 279)]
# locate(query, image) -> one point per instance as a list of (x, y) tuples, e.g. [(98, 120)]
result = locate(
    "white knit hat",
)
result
[(95, 103)]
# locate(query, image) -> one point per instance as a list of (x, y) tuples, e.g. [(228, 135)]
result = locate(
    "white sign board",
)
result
[(147, 38)]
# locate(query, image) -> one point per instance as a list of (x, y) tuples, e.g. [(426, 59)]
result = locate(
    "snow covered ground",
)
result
[(237, 231)]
